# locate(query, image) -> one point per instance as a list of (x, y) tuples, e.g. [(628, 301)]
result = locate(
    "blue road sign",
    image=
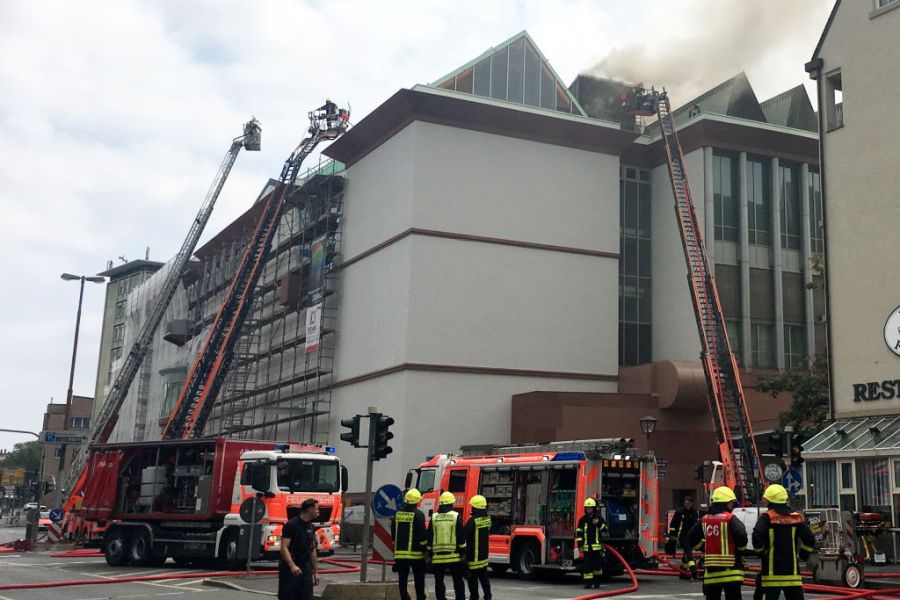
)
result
[(387, 500), (792, 481), (49, 437), (56, 515)]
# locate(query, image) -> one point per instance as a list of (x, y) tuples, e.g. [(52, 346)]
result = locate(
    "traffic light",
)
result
[(352, 435), (776, 446), (381, 437), (796, 456)]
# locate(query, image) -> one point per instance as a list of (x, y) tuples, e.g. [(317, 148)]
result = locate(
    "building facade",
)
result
[(55, 420), (499, 250), (855, 462)]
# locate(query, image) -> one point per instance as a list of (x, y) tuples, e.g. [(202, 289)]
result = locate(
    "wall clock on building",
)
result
[(892, 331)]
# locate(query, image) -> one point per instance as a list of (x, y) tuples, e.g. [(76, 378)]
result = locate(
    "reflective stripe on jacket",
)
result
[(409, 535), (478, 532), (446, 539), (590, 532), (782, 536)]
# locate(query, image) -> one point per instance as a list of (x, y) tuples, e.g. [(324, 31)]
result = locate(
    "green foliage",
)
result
[(25, 454), (810, 408)]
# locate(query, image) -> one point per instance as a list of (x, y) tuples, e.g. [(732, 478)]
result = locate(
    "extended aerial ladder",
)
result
[(727, 403), (198, 395), (106, 419)]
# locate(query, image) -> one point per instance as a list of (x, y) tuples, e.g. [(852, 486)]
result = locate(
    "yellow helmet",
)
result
[(723, 494), (478, 501), (776, 494), (447, 498), (590, 503), (412, 496)]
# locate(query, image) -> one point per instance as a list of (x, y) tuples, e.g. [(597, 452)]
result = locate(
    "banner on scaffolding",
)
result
[(317, 269), (313, 327)]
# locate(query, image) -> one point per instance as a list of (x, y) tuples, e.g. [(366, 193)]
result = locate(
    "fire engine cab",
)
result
[(536, 496)]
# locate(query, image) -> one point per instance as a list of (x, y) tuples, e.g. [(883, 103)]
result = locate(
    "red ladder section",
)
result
[(725, 392)]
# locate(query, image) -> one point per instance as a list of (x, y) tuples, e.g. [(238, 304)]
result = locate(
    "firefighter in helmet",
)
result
[(782, 538), (682, 522), (589, 540), (723, 538), (478, 531), (410, 541), (447, 546)]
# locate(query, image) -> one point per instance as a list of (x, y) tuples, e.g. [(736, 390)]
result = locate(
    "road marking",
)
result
[(170, 593), (5, 598), (133, 596)]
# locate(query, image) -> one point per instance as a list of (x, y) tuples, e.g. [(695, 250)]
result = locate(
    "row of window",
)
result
[(762, 345), (726, 198), (634, 267), (832, 483)]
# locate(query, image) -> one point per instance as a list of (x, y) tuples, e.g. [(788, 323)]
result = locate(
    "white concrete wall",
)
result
[(862, 179), (674, 326)]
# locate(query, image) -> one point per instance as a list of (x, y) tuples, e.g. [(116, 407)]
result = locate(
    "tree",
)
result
[(25, 454), (810, 407)]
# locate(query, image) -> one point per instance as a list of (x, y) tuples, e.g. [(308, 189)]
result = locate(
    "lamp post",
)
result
[(82, 279), (648, 426)]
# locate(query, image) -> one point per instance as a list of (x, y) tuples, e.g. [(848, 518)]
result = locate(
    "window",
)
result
[(308, 475), (726, 197), (425, 480), (759, 209), (120, 310), (822, 483), (846, 476), (79, 422), (874, 484), (897, 473), (791, 209), (733, 328), (815, 212), (794, 346), (762, 345), (634, 267), (115, 354), (123, 288), (457, 483), (834, 100), (881, 3), (171, 390), (118, 333)]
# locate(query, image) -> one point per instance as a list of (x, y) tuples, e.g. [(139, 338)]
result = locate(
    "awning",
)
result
[(867, 436)]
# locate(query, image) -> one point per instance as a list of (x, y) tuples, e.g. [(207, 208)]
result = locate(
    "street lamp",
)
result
[(648, 426), (82, 279)]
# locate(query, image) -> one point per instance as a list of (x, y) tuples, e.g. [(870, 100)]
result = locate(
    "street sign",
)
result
[(661, 473), (662, 464), (387, 500), (56, 515), (382, 541), (252, 510), (792, 481), (61, 437)]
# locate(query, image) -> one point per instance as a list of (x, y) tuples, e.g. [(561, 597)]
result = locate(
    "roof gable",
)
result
[(733, 97), (791, 109), (515, 71)]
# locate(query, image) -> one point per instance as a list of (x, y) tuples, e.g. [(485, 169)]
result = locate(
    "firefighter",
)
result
[(447, 545), (723, 538), (589, 539), (478, 531), (682, 522), (410, 543), (781, 536)]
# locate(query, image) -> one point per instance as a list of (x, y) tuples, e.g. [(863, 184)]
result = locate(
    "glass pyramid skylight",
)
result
[(516, 71)]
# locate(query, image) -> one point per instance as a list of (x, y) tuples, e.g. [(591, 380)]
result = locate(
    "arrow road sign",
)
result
[(792, 481), (56, 515), (387, 500)]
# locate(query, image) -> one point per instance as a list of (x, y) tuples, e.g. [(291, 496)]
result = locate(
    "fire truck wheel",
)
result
[(852, 576), (526, 556), (140, 550), (229, 550), (115, 548)]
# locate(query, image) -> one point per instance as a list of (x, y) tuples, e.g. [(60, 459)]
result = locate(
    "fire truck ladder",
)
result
[(103, 425), (725, 392), (197, 398)]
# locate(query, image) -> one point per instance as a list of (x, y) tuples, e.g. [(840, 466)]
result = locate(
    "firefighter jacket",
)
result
[(682, 521), (590, 532), (446, 537), (410, 534), (723, 538), (478, 531), (781, 536)]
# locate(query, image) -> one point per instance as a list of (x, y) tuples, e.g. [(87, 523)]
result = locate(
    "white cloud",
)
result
[(115, 115)]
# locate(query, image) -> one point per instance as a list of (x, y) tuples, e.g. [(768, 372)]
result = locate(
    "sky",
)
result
[(115, 116)]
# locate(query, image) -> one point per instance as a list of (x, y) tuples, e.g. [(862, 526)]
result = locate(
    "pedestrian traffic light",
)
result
[(352, 435), (381, 437), (796, 456)]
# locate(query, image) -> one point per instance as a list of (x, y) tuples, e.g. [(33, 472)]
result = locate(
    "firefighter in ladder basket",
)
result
[(722, 538)]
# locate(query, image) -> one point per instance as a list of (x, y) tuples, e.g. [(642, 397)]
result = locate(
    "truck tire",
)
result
[(140, 551), (115, 548), (525, 558), (228, 552)]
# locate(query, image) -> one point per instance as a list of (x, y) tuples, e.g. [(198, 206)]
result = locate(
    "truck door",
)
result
[(102, 485), (457, 481)]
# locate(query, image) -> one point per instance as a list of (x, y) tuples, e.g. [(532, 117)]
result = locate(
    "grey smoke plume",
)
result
[(704, 42)]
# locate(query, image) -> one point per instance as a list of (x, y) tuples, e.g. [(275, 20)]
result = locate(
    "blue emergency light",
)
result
[(282, 447), (579, 455), (330, 449)]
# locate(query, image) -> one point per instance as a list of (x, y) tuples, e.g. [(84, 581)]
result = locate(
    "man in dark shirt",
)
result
[(298, 570)]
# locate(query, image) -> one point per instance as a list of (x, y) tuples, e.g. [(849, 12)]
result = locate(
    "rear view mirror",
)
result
[(345, 479), (409, 478), (257, 475)]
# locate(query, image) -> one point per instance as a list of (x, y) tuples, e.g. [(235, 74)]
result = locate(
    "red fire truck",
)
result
[(536, 495), (181, 498)]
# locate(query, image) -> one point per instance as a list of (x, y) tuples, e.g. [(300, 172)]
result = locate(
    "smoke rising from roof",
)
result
[(704, 42)]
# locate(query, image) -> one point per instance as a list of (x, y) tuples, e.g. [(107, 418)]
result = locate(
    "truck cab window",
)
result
[(308, 476), (457, 483)]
